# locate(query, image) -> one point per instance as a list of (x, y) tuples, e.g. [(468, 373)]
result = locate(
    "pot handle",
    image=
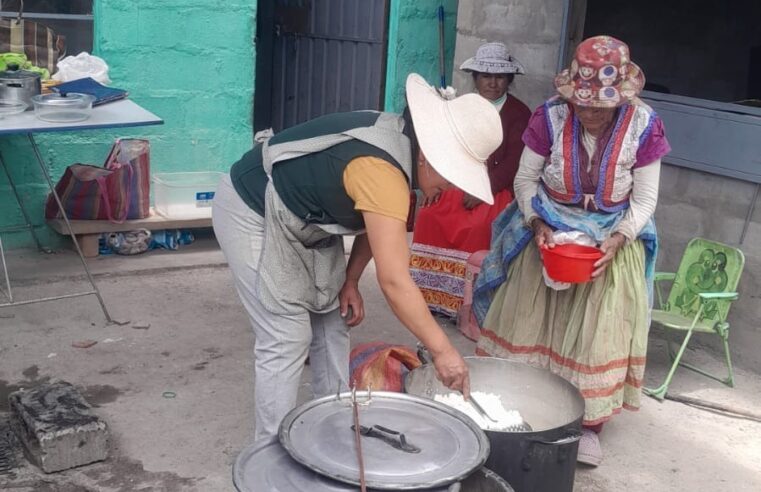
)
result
[(393, 438), (571, 437)]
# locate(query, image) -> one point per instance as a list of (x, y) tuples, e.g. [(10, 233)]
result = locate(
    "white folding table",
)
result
[(121, 114)]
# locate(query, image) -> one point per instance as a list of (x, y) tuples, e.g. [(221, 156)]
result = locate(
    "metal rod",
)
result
[(20, 203), (358, 439), (749, 217), (41, 15), (45, 172), (442, 66), (5, 273), (564, 34), (52, 298), (332, 38), (728, 410)]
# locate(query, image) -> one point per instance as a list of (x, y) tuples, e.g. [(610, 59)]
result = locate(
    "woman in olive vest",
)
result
[(280, 214)]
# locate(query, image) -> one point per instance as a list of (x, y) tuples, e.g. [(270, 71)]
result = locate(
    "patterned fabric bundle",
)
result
[(381, 366), (41, 45)]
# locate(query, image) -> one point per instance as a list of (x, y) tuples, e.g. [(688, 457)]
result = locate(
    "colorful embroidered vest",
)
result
[(561, 175)]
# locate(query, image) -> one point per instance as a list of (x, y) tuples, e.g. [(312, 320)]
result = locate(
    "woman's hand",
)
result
[(350, 301), (452, 371), (470, 202), (388, 240), (609, 248), (542, 233)]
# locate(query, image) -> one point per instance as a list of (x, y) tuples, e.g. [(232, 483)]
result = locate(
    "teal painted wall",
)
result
[(413, 45), (191, 62)]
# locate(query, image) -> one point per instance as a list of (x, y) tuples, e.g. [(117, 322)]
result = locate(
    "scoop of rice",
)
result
[(492, 405)]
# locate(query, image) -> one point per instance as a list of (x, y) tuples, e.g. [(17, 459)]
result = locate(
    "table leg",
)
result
[(21, 204), (9, 295), (45, 173)]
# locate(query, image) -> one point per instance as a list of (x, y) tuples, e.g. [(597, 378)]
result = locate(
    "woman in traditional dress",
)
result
[(451, 226), (591, 164)]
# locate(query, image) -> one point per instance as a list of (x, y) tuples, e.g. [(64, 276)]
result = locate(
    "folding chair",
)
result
[(699, 300)]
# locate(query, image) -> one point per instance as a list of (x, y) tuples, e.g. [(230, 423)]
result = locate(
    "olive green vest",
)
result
[(311, 185)]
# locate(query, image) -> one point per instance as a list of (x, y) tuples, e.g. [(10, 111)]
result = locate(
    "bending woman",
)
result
[(280, 214)]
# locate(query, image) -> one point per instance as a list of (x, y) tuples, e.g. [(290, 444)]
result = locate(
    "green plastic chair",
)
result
[(702, 291)]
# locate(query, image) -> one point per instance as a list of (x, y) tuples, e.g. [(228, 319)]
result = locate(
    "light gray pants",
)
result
[(282, 341)]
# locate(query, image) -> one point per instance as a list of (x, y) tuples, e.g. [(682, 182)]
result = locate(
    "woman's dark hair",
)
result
[(409, 132), (510, 77)]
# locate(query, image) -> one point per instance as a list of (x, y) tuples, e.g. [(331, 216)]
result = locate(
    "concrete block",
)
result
[(57, 427)]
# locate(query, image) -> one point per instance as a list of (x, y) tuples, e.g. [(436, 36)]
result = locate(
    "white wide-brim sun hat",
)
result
[(493, 58), (456, 136)]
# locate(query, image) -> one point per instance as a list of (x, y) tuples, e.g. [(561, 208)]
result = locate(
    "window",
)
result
[(71, 18), (706, 50)]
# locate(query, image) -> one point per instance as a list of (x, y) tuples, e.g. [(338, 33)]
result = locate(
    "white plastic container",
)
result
[(184, 195)]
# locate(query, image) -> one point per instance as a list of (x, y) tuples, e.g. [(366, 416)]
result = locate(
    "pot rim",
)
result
[(523, 365)]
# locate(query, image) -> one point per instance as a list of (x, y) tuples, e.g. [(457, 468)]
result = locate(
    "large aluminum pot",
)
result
[(543, 459), (266, 467), (485, 480)]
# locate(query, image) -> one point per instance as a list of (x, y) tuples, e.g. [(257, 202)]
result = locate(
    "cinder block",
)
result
[(58, 427)]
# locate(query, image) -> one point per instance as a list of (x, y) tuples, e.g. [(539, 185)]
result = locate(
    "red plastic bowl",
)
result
[(570, 263)]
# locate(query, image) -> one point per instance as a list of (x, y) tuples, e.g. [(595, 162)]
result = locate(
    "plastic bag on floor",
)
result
[(171, 239), (142, 240), (129, 243)]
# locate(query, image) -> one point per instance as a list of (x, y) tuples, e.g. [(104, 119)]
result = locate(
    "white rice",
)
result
[(492, 405)]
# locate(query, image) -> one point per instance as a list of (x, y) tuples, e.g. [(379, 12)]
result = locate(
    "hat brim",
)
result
[(629, 88), (508, 67), (439, 143)]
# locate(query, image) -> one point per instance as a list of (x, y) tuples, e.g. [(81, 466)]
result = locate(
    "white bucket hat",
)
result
[(493, 58), (456, 135)]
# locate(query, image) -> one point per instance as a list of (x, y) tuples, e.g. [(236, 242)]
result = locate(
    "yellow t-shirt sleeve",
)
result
[(377, 186)]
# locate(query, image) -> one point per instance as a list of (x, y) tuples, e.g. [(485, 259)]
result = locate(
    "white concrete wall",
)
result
[(530, 29)]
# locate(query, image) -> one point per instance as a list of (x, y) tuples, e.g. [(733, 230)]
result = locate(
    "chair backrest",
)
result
[(706, 266)]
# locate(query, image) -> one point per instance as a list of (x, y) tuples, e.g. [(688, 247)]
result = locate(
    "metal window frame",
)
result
[(41, 15)]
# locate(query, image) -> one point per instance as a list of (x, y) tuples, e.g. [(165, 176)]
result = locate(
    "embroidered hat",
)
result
[(601, 75), (456, 135), (492, 58)]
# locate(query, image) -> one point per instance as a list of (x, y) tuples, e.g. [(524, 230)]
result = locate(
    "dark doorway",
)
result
[(316, 57)]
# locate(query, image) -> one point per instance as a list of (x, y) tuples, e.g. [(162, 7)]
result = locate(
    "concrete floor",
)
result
[(198, 347)]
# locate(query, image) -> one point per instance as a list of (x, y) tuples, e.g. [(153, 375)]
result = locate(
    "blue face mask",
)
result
[(500, 100)]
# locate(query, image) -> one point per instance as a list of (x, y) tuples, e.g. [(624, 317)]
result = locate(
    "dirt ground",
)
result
[(175, 383)]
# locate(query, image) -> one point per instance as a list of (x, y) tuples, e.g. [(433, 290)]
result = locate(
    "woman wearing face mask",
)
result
[(280, 214), (452, 225), (591, 164)]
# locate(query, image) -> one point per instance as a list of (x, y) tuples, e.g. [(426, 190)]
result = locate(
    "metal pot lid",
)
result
[(408, 442), (18, 74), (266, 467)]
